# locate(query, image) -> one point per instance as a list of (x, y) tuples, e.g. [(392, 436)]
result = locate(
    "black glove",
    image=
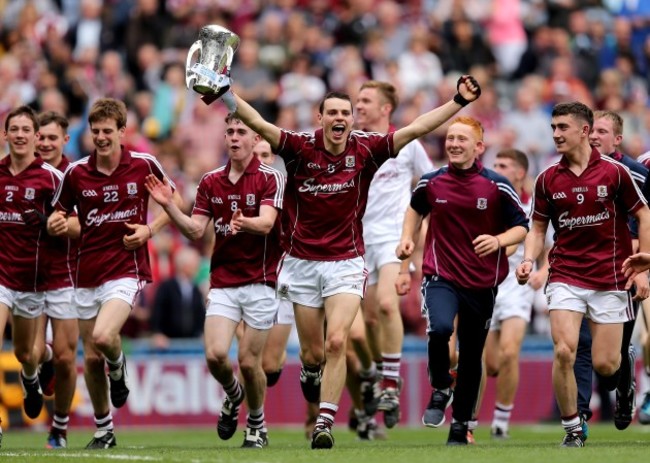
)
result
[(460, 99), (34, 218)]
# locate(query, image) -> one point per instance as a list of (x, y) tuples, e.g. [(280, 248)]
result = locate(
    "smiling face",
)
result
[(21, 136), (462, 145), (603, 136), (240, 140), (371, 110), (52, 138), (336, 119), (569, 133), (107, 137)]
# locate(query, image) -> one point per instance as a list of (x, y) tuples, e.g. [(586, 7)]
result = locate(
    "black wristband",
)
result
[(461, 100)]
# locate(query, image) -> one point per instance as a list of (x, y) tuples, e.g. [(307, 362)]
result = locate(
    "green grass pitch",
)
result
[(529, 444)]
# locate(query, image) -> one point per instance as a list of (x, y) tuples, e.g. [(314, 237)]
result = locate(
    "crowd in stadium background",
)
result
[(527, 54)]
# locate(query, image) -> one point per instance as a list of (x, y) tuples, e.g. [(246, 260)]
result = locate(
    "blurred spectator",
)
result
[(274, 51), (201, 135), (148, 24), (301, 90), (87, 31), (419, 69), (393, 29), (356, 18), (562, 85), (169, 103), (506, 35), (113, 81), (467, 48), (530, 124), (252, 81), (178, 309)]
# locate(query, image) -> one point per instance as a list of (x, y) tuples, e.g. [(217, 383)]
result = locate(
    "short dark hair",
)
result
[(518, 156), (108, 108), (52, 117), (386, 90), (331, 95), (23, 111), (576, 109)]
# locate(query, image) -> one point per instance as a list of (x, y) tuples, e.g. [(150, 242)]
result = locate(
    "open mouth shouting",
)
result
[(338, 130)]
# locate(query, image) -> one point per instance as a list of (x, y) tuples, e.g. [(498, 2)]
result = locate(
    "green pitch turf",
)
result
[(529, 444)]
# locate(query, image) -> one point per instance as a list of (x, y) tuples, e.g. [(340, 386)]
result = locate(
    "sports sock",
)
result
[(391, 369), (255, 419), (327, 414), (115, 367)]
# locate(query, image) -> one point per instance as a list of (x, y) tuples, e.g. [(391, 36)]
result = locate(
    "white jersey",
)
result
[(390, 193)]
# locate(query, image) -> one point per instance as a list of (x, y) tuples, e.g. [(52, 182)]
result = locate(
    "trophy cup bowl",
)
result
[(209, 74)]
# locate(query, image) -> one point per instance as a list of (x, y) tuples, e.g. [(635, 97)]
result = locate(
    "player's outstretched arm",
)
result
[(468, 91), (192, 227), (253, 119)]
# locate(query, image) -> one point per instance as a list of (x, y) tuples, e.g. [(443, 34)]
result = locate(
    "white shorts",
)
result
[(285, 313), (600, 306), (255, 304), (307, 282), (23, 304), (513, 300), (378, 255), (60, 304), (88, 301)]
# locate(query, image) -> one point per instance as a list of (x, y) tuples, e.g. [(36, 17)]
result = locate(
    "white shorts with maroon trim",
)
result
[(378, 255), (600, 306), (88, 301), (60, 304), (25, 304), (255, 304), (308, 282), (513, 300), (285, 313)]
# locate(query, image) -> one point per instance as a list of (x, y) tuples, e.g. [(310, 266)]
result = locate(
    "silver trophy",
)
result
[(209, 74)]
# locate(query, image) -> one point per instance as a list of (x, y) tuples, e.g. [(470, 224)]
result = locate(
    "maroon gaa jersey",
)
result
[(60, 254), (105, 203), (590, 217), (22, 252), (244, 258), (327, 194)]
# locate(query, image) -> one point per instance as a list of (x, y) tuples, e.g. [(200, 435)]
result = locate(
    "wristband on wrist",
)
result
[(528, 259), (150, 231), (461, 100)]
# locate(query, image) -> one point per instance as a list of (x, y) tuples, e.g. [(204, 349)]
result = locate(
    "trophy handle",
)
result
[(190, 75)]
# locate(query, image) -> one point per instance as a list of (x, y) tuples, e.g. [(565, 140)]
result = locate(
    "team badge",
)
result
[(602, 191), (481, 203), (250, 199), (30, 193), (132, 188), (349, 161)]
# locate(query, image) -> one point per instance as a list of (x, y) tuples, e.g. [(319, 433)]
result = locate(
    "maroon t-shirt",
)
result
[(244, 258), (463, 204), (327, 194), (22, 251), (105, 203), (590, 217)]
